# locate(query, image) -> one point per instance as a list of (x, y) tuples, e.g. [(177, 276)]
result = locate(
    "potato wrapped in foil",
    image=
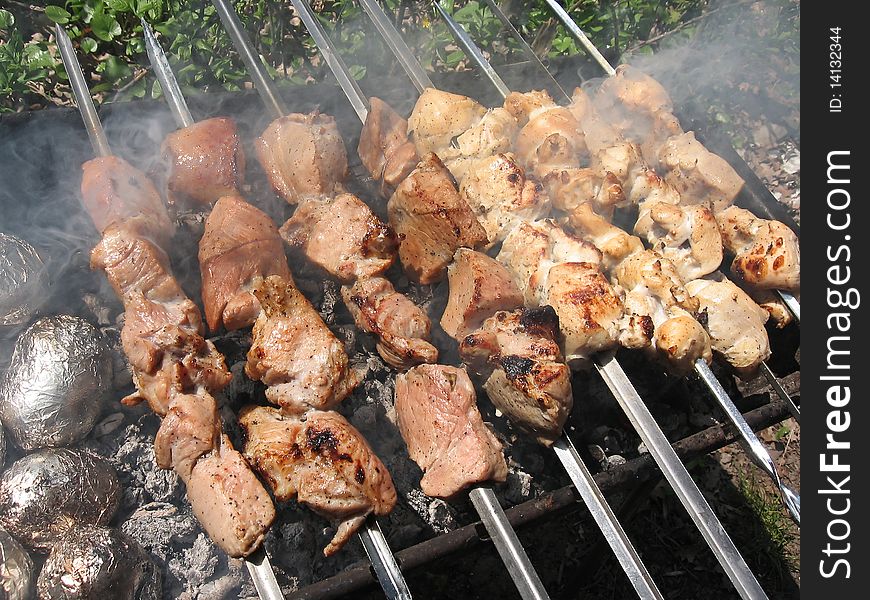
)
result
[(95, 563), (16, 570), (45, 494), (23, 281), (57, 383)]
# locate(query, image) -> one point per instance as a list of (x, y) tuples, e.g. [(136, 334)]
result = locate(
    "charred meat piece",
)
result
[(700, 176), (302, 363), (768, 254), (162, 334), (229, 501), (437, 414), (240, 244), (401, 326), (479, 287), (432, 221), (322, 461), (205, 161), (115, 192), (518, 357), (190, 429), (303, 155), (440, 117), (735, 324), (342, 235), (384, 148)]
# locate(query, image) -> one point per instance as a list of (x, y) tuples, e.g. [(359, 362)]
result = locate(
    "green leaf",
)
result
[(7, 19), (119, 5), (105, 27), (57, 14), (88, 45)]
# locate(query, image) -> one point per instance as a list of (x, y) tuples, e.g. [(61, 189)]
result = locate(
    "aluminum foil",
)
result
[(95, 563), (57, 383), (45, 494), (16, 570), (23, 281)]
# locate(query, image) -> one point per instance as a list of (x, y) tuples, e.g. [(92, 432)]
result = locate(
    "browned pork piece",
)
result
[(700, 176), (115, 192), (321, 460), (205, 161), (297, 357), (342, 235), (479, 287), (525, 375), (303, 155), (432, 221), (239, 245), (227, 498), (437, 415), (384, 148), (162, 334), (767, 253), (735, 323), (402, 327)]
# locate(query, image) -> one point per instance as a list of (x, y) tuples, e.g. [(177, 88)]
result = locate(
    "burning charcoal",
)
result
[(23, 281), (16, 570), (97, 562), (44, 494), (57, 383)]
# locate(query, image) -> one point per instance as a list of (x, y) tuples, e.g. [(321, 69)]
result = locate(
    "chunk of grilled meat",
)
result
[(302, 155), (342, 235), (384, 148), (700, 176), (114, 192), (432, 221), (401, 326), (615, 244), (162, 334), (735, 323), (190, 429), (205, 162), (525, 375), (239, 245), (479, 287), (302, 363), (322, 461), (439, 117), (497, 191), (773, 304), (492, 134), (570, 189), (446, 436), (767, 253), (551, 141)]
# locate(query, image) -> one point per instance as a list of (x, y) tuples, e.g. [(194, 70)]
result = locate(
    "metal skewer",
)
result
[(783, 395), (675, 472), (258, 563), (483, 499), (168, 83)]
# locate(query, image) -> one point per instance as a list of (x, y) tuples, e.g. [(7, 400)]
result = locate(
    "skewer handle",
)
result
[(575, 30), (82, 93), (262, 81), (263, 576), (383, 562), (607, 522), (168, 83), (678, 477), (508, 544)]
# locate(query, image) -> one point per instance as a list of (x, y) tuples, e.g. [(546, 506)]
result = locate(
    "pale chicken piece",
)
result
[(569, 189), (439, 117), (552, 140), (240, 244), (525, 376), (767, 253), (324, 462), (438, 417), (205, 161), (735, 323), (402, 327), (700, 176), (614, 243), (493, 134), (342, 235), (524, 105), (190, 429), (162, 333), (302, 155), (229, 501), (432, 221), (479, 287), (114, 192), (384, 147), (498, 192), (687, 235), (297, 357), (773, 304), (654, 289)]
